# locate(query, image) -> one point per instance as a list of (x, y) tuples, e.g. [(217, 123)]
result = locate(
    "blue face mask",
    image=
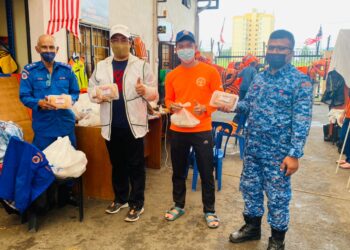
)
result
[(48, 56), (186, 55)]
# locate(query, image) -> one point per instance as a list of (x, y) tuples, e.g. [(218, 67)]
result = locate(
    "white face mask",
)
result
[(186, 55)]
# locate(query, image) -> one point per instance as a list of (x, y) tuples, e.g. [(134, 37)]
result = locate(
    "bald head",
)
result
[(45, 39), (46, 47)]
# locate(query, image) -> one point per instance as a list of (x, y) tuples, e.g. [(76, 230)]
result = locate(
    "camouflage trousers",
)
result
[(261, 175)]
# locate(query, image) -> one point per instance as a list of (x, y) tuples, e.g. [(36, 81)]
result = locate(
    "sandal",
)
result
[(341, 161), (209, 221), (346, 165), (180, 212)]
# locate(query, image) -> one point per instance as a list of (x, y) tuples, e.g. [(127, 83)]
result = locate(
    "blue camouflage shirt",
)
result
[(36, 83), (279, 110)]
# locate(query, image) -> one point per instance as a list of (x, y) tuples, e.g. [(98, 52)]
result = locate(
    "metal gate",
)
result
[(301, 57)]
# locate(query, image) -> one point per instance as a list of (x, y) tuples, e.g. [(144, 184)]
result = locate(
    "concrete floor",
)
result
[(320, 212)]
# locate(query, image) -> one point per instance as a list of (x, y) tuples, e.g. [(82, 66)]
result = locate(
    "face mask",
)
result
[(186, 55), (276, 61), (48, 56), (121, 50)]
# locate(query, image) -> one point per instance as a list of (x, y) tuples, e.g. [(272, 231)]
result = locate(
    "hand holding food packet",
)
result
[(224, 100), (184, 118), (60, 101), (105, 92)]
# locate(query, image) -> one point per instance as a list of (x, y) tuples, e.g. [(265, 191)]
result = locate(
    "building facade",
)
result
[(251, 31), (23, 21)]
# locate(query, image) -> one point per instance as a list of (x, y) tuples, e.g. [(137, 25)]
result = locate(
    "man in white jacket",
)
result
[(124, 120)]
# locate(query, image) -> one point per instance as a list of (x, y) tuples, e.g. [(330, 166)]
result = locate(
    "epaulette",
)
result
[(31, 66), (66, 65)]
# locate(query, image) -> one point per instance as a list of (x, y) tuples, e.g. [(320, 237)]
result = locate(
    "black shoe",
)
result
[(275, 244), (246, 233), (134, 214), (115, 207), (250, 231)]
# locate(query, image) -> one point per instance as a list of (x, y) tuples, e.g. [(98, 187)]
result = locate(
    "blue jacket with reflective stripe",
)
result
[(26, 174)]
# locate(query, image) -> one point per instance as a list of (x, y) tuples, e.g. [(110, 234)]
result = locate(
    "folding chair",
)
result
[(219, 130), (238, 134)]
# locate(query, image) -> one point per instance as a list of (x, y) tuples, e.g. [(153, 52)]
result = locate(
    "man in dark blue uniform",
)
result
[(279, 108), (44, 78), (38, 81)]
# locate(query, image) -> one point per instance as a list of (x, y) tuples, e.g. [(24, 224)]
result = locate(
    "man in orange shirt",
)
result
[(192, 81)]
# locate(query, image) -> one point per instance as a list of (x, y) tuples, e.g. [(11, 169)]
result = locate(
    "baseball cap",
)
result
[(120, 29), (185, 35)]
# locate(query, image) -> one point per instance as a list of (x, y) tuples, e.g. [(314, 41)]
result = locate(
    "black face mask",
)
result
[(276, 61)]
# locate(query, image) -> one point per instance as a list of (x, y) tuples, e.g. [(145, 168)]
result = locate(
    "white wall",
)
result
[(141, 20), (179, 15), (39, 15)]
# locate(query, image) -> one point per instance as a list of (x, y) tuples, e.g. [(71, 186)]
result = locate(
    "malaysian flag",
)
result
[(318, 37), (64, 14)]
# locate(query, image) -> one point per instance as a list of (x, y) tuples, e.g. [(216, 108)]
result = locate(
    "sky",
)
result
[(302, 17)]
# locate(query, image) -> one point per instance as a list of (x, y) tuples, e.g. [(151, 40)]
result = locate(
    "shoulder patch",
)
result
[(24, 75)]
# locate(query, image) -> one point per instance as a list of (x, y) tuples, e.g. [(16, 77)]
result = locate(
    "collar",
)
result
[(286, 68), (41, 65)]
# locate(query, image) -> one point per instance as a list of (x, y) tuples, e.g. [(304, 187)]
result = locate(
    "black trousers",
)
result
[(202, 144), (128, 167)]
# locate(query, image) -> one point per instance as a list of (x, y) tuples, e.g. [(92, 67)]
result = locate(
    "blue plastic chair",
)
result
[(219, 130), (239, 134)]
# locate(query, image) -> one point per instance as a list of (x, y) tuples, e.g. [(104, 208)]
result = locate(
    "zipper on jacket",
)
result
[(125, 102), (110, 120)]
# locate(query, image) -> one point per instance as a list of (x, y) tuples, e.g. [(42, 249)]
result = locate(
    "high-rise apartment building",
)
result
[(251, 31)]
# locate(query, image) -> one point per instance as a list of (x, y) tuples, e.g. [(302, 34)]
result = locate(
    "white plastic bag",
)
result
[(66, 161), (7, 130), (86, 113), (184, 118), (221, 99)]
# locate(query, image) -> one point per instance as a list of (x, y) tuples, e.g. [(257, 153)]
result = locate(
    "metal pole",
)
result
[(328, 41), (317, 48), (10, 28), (342, 149)]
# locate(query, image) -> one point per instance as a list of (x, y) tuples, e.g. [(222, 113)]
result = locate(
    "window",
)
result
[(93, 47), (167, 58)]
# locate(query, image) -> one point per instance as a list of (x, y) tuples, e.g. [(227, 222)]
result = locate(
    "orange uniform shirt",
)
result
[(190, 85)]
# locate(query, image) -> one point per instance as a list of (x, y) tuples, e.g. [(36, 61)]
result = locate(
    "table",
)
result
[(97, 178)]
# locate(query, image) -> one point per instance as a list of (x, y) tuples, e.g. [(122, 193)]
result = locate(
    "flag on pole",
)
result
[(221, 33), (318, 37), (64, 14)]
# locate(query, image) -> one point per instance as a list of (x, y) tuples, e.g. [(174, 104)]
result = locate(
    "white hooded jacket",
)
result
[(135, 105)]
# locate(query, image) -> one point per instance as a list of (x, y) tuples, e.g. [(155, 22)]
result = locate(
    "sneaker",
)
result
[(134, 214), (115, 207)]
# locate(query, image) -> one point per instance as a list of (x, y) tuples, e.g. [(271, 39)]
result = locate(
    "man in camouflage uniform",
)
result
[(279, 108)]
